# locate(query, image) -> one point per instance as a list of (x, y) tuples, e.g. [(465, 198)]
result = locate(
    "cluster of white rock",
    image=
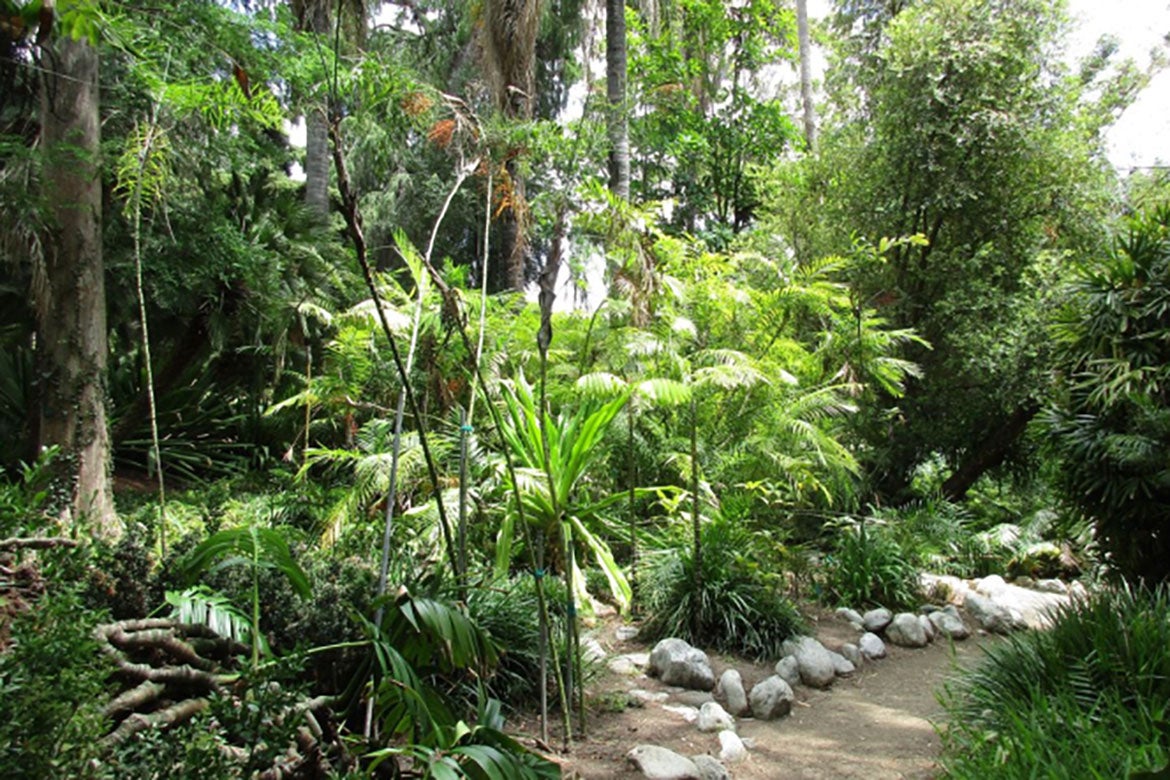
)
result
[(715, 704)]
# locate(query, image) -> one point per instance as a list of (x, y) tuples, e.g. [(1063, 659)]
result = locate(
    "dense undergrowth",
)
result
[(1088, 698)]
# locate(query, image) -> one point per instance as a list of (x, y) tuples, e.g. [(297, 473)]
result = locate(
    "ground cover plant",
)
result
[(1101, 672)]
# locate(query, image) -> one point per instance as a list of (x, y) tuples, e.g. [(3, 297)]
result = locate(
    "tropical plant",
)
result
[(255, 548), (740, 608), (552, 480), (1110, 426), (1101, 671), (867, 566)]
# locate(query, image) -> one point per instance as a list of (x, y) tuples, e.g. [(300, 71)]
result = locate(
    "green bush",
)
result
[(1089, 698), (869, 567), (741, 607), (1110, 426)]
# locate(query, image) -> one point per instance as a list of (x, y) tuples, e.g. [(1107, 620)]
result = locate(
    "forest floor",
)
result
[(875, 725)]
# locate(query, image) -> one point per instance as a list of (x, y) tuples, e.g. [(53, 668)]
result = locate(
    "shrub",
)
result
[(869, 567), (741, 606), (1089, 698), (1110, 428)]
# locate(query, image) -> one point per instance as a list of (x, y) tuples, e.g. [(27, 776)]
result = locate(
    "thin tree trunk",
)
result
[(71, 302), (615, 90), (313, 18), (806, 96), (696, 525), (990, 452)]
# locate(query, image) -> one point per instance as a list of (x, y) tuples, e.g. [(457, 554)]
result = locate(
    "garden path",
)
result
[(875, 725)]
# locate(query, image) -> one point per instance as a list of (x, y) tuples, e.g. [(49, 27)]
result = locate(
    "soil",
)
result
[(875, 725)]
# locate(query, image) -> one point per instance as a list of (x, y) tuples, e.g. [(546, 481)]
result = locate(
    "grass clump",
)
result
[(869, 567), (741, 605), (1089, 698)]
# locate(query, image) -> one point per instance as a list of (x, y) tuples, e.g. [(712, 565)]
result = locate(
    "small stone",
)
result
[(927, 627), (950, 625), (731, 747), (689, 714), (871, 646), (730, 690), (713, 717), (710, 768), (677, 663), (877, 619), (906, 631), (639, 696), (842, 666), (771, 698), (622, 665), (658, 763), (852, 653), (789, 670), (989, 615), (591, 650), (816, 666), (692, 698), (626, 633), (851, 616)]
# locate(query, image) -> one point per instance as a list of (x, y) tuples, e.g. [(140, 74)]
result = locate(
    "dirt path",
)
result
[(875, 725)]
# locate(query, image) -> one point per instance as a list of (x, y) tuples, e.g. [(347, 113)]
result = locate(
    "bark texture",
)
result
[(509, 50), (806, 96), (70, 291), (615, 91)]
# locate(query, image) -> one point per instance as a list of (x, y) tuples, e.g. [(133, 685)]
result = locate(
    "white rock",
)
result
[(789, 669), (1052, 586), (658, 763), (851, 616), (710, 768), (842, 666), (927, 627), (950, 625), (620, 664), (989, 615), (638, 695), (730, 690), (771, 698), (871, 646), (689, 714), (626, 633), (877, 619), (814, 661), (731, 747), (712, 717), (906, 631), (677, 663)]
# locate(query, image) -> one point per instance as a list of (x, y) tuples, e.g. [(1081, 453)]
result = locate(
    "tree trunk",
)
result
[(615, 90), (991, 452), (509, 52), (313, 17), (806, 96), (71, 299)]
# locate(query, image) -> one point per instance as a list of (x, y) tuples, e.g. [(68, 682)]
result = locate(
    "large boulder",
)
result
[(813, 660), (730, 690), (677, 663), (927, 627), (950, 624), (876, 620), (710, 768), (713, 717), (771, 698), (905, 630), (871, 646), (658, 763)]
